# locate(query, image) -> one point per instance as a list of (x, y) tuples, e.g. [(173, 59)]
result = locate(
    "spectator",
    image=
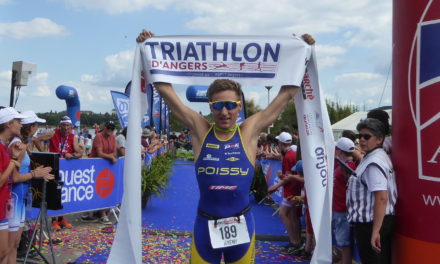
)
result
[(120, 143), (357, 154), (104, 146), (340, 227), (61, 141), (184, 140), (96, 128), (274, 150), (150, 141), (20, 180), (289, 213), (285, 128), (147, 132), (383, 117), (263, 146), (10, 162), (298, 174), (46, 142), (372, 195), (87, 144)]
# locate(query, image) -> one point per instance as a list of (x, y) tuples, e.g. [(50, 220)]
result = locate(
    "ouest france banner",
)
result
[(251, 61)]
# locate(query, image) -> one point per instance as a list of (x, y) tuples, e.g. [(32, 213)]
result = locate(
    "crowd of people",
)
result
[(364, 196), (364, 191), (19, 136)]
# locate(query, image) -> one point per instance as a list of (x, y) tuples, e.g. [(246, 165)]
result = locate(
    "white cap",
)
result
[(31, 118), (9, 113), (345, 144), (284, 137), (65, 119)]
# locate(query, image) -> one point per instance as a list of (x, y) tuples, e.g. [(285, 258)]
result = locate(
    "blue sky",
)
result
[(89, 44)]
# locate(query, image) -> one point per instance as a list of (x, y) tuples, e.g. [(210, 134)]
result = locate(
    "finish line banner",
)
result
[(250, 60)]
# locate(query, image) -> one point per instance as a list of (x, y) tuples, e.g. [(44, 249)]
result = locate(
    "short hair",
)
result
[(349, 134), (285, 128), (382, 116), (221, 85), (375, 126)]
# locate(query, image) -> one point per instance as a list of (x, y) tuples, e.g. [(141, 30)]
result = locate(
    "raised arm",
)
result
[(44, 137)]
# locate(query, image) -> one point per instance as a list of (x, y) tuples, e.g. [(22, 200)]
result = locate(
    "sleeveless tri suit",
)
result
[(224, 175)]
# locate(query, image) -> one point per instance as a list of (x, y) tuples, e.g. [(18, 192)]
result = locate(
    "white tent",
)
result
[(350, 122)]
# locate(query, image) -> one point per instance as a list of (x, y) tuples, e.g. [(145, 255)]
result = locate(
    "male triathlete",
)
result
[(225, 156)]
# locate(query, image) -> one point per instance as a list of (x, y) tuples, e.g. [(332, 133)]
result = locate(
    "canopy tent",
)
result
[(350, 122)]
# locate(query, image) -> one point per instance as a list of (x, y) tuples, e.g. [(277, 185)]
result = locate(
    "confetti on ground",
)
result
[(94, 244)]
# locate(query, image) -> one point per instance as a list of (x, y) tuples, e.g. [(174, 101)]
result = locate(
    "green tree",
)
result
[(251, 107)]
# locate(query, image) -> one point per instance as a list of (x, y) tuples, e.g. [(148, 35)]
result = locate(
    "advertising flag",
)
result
[(155, 110)]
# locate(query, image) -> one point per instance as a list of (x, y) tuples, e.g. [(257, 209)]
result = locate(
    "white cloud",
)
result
[(363, 22), (364, 89), (330, 50), (37, 27), (358, 76), (42, 86), (328, 61), (117, 70), (256, 97)]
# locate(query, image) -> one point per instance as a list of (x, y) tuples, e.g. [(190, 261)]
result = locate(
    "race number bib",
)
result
[(228, 232)]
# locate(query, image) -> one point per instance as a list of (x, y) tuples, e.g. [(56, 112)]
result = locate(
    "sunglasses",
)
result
[(218, 105), (365, 136)]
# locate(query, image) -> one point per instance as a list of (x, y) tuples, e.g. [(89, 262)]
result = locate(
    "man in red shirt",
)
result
[(104, 143), (63, 141), (340, 227), (289, 213), (104, 146)]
